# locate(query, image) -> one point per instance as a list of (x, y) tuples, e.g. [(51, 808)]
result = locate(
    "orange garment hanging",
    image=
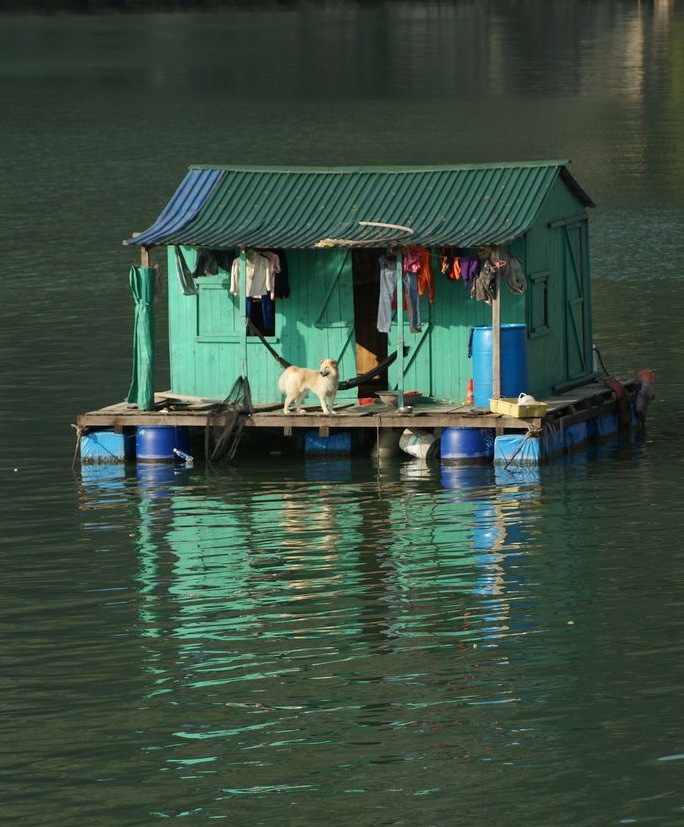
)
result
[(425, 280), (450, 264), (455, 271)]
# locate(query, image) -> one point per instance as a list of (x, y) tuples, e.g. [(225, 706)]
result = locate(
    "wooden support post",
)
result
[(400, 327), (496, 340), (144, 256), (243, 298)]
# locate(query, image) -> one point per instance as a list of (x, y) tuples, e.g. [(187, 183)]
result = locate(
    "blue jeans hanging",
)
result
[(267, 313), (388, 291)]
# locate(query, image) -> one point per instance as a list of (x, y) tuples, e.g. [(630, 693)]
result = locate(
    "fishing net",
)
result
[(226, 422)]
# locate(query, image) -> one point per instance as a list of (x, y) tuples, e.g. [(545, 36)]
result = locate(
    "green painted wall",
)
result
[(316, 321), (552, 351), (438, 362)]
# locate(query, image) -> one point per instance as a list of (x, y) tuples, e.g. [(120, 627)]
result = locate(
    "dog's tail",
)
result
[(282, 382)]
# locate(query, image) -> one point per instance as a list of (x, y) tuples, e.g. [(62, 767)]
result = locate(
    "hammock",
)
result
[(348, 383)]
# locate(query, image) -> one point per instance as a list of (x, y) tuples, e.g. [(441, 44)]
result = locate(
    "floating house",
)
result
[(451, 287)]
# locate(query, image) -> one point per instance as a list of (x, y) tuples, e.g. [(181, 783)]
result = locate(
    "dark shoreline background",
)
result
[(95, 6)]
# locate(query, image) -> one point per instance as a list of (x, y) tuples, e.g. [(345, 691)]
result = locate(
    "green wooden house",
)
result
[(330, 227)]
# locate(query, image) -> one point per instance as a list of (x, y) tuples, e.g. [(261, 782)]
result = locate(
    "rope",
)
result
[(254, 330), (79, 431), (530, 433), (598, 353)]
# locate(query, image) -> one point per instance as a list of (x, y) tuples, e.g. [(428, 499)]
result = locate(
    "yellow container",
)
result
[(511, 407)]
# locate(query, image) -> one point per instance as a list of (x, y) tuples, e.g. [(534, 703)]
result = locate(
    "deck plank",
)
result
[(563, 409)]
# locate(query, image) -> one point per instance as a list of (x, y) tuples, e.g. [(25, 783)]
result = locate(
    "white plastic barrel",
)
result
[(419, 443)]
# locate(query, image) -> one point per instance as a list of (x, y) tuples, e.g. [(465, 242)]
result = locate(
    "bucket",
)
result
[(513, 362), (419, 443), (156, 443), (465, 444)]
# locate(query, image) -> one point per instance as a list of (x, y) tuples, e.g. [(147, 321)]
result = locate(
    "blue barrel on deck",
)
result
[(156, 443), (514, 380), (466, 444)]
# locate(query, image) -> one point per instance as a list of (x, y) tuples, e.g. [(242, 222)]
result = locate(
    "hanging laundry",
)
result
[(388, 295), (446, 260), (470, 268), (454, 273), (281, 289), (417, 260), (412, 261), (187, 282), (513, 274), (267, 307), (484, 286), (388, 286), (268, 313), (274, 261), (450, 262), (507, 266), (412, 301), (209, 261), (259, 275)]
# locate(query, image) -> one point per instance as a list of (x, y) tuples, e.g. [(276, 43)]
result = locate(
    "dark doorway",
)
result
[(371, 345)]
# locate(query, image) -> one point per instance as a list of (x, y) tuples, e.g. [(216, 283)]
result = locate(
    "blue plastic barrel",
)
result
[(336, 443), (464, 444), (602, 425), (156, 443), (574, 436), (514, 380), (517, 449), (106, 446)]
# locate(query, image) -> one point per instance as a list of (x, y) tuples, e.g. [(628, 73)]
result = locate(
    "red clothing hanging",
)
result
[(419, 259)]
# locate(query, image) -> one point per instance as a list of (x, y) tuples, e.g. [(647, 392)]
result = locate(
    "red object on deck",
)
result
[(470, 393)]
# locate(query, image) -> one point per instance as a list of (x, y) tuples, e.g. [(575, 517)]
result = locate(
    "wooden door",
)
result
[(577, 302)]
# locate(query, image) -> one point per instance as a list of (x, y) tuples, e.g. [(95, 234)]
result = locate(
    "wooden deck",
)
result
[(568, 408)]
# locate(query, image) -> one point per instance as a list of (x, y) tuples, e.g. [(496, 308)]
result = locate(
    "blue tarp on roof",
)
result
[(184, 205)]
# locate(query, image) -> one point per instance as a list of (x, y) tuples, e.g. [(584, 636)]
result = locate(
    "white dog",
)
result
[(296, 382)]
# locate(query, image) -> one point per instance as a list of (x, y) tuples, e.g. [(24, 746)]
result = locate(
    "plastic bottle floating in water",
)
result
[(182, 455)]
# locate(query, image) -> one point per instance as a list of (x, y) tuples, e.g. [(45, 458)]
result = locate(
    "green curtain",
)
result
[(142, 281)]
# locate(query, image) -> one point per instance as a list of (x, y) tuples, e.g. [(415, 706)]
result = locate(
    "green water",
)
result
[(302, 642)]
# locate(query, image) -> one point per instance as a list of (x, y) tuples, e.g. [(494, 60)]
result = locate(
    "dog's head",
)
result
[(328, 367)]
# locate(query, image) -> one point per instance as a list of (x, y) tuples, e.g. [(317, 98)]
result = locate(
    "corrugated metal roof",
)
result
[(304, 207)]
